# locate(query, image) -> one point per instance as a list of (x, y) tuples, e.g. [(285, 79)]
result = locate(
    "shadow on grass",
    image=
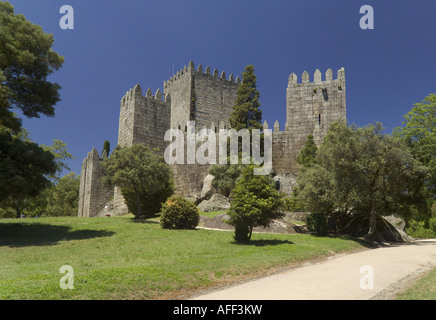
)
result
[(36, 234), (263, 243), (362, 241), (136, 220)]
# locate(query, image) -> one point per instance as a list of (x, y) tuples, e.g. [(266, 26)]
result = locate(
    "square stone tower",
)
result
[(312, 106), (201, 97)]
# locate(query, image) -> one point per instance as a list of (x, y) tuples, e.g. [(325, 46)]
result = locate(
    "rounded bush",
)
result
[(179, 213), (317, 224)]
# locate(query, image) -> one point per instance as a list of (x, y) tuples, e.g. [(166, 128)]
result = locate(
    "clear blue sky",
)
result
[(116, 44)]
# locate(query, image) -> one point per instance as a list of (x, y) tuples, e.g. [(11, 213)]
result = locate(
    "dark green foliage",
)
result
[(62, 199), (246, 112), (151, 202), (366, 171), (225, 176), (254, 202), (179, 213), (24, 167), (419, 133), (308, 153), (106, 148), (317, 224), (26, 60), (143, 175)]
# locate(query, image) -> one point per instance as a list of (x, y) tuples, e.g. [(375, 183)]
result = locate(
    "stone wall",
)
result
[(312, 106), (201, 97), (214, 97), (207, 98), (93, 195)]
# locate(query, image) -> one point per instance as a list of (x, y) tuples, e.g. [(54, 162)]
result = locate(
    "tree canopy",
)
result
[(362, 170), (419, 133), (254, 202), (26, 60), (24, 167), (143, 175), (246, 112)]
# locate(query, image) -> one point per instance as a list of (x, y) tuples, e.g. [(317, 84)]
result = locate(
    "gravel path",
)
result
[(343, 277)]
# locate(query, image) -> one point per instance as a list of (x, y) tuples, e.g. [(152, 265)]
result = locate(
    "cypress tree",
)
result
[(246, 112)]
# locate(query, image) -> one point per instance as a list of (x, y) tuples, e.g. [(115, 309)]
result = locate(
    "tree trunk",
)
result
[(250, 228), (138, 205), (372, 223), (17, 209)]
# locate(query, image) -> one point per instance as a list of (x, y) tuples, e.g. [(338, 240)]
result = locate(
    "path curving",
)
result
[(345, 277)]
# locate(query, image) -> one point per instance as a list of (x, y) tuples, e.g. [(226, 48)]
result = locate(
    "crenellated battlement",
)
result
[(136, 92), (206, 97), (190, 70), (317, 77), (276, 127)]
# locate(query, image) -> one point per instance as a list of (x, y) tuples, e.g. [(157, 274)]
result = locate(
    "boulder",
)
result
[(216, 203), (359, 227), (285, 183), (193, 198)]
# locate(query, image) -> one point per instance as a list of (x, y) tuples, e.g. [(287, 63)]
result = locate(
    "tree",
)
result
[(61, 155), (308, 153), (253, 202), (24, 168), (419, 133), (106, 148), (246, 114), (362, 170), (63, 198), (225, 177), (144, 177), (26, 60)]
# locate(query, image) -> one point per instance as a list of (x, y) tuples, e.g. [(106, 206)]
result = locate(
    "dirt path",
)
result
[(347, 277)]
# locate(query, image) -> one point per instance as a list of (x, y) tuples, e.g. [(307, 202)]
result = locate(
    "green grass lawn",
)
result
[(423, 289), (118, 258)]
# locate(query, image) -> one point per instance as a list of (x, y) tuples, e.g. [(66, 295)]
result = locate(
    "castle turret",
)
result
[(313, 106), (92, 193), (201, 96)]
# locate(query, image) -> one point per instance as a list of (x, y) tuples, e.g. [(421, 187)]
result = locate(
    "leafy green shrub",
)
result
[(317, 224), (7, 212), (179, 213), (254, 202), (432, 224), (417, 229)]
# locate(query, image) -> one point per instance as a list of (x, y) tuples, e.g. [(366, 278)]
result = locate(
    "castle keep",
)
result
[(207, 98)]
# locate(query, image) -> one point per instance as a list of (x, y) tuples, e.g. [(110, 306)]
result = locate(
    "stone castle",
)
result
[(207, 98)]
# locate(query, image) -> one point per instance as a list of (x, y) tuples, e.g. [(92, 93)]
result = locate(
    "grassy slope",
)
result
[(117, 258), (423, 289)]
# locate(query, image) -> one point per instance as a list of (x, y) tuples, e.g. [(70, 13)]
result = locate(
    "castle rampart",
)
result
[(208, 98)]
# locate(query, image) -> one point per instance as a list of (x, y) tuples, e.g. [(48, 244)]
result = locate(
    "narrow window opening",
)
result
[(319, 119)]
